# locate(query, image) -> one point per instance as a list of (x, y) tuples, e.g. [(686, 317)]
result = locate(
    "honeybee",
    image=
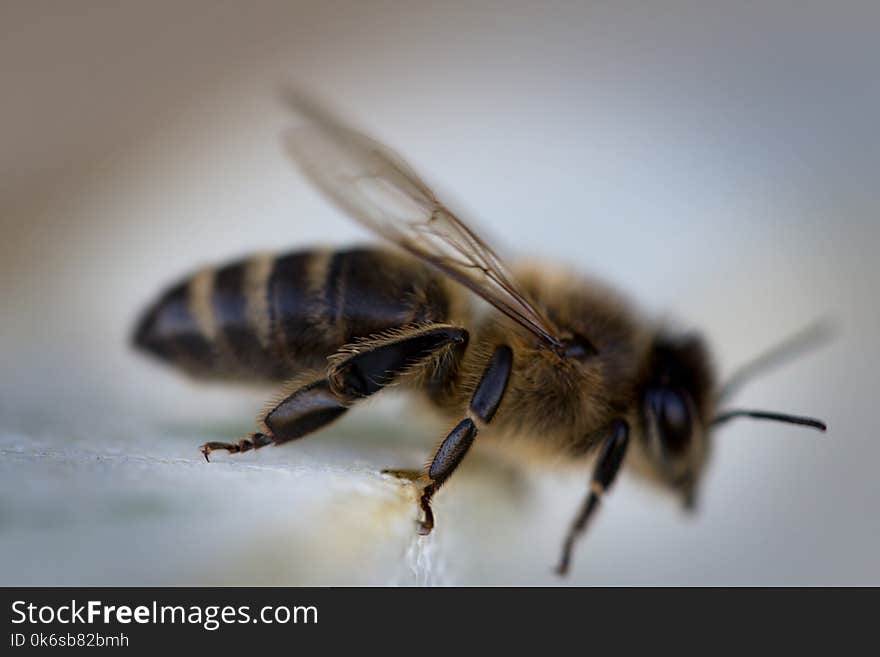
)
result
[(553, 361)]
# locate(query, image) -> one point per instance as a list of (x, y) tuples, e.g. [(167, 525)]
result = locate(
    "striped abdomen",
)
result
[(270, 317)]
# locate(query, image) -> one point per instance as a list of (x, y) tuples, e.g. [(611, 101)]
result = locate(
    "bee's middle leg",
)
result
[(355, 373), (484, 403)]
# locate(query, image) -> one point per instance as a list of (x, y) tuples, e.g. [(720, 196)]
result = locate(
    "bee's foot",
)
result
[(207, 448), (253, 441), (562, 569)]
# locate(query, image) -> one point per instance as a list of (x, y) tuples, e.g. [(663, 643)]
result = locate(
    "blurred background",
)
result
[(717, 161)]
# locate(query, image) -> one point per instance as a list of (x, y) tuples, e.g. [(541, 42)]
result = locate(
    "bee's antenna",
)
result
[(811, 337), (768, 415)]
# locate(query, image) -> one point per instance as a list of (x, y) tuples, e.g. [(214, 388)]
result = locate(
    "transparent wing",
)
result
[(376, 187)]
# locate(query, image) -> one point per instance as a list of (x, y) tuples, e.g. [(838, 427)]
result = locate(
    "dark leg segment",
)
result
[(377, 363), (490, 390), (449, 455), (484, 403), (374, 364), (306, 409), (606, 469)]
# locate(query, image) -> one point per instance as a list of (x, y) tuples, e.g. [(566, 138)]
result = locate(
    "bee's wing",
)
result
[(375, 186)]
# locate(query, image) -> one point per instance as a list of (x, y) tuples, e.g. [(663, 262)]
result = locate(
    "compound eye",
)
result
[(669, 409), (579, 348)]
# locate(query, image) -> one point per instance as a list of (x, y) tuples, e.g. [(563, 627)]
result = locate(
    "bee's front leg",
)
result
[(484, 403), (606, 469)]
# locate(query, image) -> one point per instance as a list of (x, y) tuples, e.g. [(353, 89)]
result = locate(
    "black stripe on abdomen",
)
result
[(170, 330), (319, 300), (238, 335), (368, 291), (296, 312)]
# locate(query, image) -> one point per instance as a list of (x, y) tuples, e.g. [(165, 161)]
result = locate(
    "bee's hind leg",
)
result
[(355, 372), (307, 409), (252, 441)]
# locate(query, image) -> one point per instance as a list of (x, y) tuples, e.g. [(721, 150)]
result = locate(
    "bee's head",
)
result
[(676, 406)]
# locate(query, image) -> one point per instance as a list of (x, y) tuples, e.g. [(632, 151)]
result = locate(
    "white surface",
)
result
[(719, 165)]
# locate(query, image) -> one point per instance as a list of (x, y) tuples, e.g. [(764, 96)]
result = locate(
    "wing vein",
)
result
[(377, 188)]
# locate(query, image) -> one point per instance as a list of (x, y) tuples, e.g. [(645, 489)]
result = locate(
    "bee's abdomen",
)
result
[(269, 317)]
